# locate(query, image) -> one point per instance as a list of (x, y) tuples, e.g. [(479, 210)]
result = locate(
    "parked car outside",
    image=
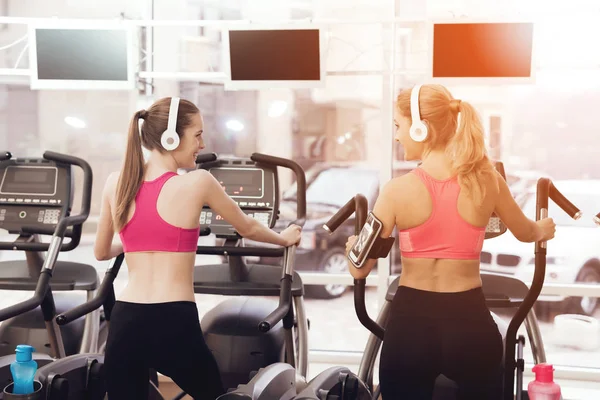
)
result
[(329, 187)]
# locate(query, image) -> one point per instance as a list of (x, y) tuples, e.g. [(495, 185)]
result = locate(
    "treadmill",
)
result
[(36, 197), (501, 291)]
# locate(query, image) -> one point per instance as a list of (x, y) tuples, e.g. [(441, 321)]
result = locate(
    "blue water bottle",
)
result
[(23, 370)]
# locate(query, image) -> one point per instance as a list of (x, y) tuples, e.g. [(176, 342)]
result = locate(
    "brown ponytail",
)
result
[(132, 173)]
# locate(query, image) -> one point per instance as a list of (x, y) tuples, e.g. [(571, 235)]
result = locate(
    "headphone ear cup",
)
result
[(418, 131), (164, 140)]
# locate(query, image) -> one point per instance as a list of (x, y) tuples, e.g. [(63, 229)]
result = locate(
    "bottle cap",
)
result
[(543, 372), (24, 352)]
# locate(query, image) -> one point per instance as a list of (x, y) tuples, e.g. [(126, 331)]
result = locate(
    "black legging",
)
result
[(163, 336), (429, 334)]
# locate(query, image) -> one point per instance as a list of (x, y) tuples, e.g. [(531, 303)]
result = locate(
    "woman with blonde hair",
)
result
[(439, 322)]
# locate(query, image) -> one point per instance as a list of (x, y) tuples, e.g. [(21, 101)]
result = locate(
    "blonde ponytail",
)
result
[(467, 151)]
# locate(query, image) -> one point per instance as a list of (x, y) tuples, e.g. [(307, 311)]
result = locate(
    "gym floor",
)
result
[(334, 327)]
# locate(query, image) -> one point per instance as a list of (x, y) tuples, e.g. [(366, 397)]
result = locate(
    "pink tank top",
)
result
[(147, 231), (445, 234)]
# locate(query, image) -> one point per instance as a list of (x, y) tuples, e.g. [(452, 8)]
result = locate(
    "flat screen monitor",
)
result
[(81, 57), (22, 180), (241, 182), (259, 57), (471, 51)]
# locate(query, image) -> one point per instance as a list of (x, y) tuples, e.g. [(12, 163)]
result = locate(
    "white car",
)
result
[(573, 256)]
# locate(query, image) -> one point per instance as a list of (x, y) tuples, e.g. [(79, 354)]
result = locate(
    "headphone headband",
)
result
[(172, 124), (171, 132), (414, 103), (418, 129)]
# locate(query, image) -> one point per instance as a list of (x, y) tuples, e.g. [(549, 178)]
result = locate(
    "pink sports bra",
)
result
[(147, 231), (445, 234)]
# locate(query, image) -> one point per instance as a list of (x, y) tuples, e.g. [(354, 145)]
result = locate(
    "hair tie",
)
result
[(455, 105), (143, 114)]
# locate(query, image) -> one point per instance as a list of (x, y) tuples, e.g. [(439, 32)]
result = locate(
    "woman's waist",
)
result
[(440, 275)]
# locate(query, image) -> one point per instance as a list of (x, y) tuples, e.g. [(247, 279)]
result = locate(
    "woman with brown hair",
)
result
[(156, 212)]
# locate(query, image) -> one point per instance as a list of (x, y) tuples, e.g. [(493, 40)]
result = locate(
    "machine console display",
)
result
[(254, 190), (33, 192)]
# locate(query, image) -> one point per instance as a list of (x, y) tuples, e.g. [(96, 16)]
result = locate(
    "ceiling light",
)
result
[(234, 125), (75, 122)]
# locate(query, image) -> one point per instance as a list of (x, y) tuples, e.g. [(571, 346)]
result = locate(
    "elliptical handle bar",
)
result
[(31, 303), (204, 158), (285, 294), (300, 178), (359, 206), (73, 220), (55, 245), (545, 191), (103, 296), (5, 155), (285, 302)]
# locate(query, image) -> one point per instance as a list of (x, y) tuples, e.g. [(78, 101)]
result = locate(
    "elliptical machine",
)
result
[(36, 196), (500, 291)]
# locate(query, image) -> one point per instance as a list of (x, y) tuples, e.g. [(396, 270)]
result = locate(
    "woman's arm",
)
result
[(523, 228), (384, 210), (104, 248), (246, 226)]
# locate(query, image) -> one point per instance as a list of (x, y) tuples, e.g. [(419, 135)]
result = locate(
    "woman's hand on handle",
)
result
[(545, 229), (291, 235)]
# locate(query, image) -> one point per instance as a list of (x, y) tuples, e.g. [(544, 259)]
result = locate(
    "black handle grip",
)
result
[(31, 303), (5, 155), (240, 251), (204, 158), (102, 296), (359, 205), (204, 232), (361, 309), (565, 204), (285, 302), (300, 178)]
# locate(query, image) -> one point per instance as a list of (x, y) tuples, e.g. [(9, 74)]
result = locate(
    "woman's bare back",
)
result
[(412, 208)]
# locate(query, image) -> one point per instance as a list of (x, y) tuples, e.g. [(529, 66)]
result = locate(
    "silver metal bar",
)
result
[(535, 337), (543, 214), (302, 336), (519, 373), (290, 348), (289, 259), (52, 255), (55, 337), (91, 329)]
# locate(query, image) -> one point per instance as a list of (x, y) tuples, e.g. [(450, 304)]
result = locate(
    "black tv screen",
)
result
[(482, 50), (82, 54), (275, 55)]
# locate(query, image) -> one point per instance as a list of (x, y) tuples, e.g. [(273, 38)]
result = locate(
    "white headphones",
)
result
[(418, 129), (170, 133)]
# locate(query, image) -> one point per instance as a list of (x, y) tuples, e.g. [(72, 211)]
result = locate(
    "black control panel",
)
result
[(252, 186), (34, 193)]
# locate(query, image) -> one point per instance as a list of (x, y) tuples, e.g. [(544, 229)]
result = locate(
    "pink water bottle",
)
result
[(543, 387)]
